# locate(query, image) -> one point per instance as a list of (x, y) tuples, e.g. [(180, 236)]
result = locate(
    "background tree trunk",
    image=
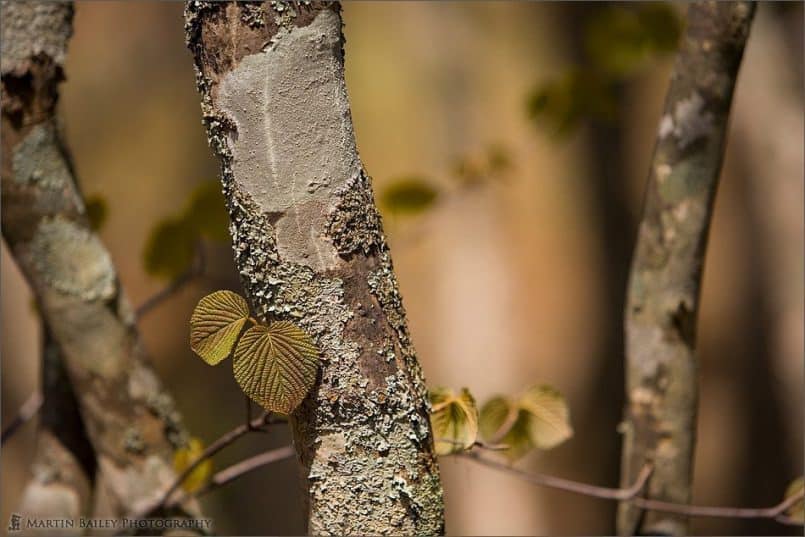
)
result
[(663, 296), (130, 419), (63, 467), (309, 248)]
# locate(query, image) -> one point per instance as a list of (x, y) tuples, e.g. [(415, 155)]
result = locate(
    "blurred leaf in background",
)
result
[(97, 211), (409, 195), (622, 40), (539, 418), (796, 511), (171, 245), (619, 42), (184, 457)]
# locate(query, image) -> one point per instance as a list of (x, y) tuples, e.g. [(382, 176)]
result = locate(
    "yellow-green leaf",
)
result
[(796, 511), (184, 457), (549, 418), (215, 324), (504, 423), (454, 418), (276, 365)]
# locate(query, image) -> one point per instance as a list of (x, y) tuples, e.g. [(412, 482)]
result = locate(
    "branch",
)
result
[(27, 411), (219, 444), (196, 269), (666, 273), (631, 495), (565, 484), (231, 473)]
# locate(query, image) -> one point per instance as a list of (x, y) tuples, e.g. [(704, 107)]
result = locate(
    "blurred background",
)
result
[(509, 145)]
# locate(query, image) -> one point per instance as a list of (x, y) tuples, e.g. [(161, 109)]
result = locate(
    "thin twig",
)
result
[(223, 441), (566, 484), (28, 410), (194, 270), (231, 473), (631, 495)]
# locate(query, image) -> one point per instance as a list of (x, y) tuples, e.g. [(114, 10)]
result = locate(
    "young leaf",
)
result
[(454, 419), (216, 323), (276, 365), (493, 418), (549, 418), (170, 248), (184, 457), (409, 195), (503, 423), (796, 511)]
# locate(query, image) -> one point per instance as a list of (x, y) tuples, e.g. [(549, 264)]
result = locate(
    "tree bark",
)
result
[(63, 468), (309, 247), (663, 295), (130, 419)]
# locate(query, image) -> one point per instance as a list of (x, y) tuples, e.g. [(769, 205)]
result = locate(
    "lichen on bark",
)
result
[(309, 246), (663, 295)]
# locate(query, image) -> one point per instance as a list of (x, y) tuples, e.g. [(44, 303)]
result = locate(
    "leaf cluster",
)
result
[(538, 418), (275, 364)]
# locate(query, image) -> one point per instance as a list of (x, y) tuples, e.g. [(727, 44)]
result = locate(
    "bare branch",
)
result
[(631, 495), (219, 444), (195, 270), (231, 473), (566, 484)]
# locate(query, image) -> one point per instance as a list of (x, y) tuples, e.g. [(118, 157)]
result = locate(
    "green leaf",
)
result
[(207, 211), (184, 457), (97, 211), (548, 422), (216, 323), (504, 423), (169, 249), (796, 511), (454, 419), (276, 365), (409, 195)]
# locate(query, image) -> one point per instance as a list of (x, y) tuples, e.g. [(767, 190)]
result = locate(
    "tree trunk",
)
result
[(309, 247), (130, 419), (663, 295), (63, 468)]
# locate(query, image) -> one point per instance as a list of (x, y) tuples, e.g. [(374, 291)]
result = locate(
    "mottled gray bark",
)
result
[(63, 467), (310, 248), (130, 419), (663, 295)]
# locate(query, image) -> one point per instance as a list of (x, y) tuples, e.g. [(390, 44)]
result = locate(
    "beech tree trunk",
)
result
[(130, 419), (663, 296), (310, 248)]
